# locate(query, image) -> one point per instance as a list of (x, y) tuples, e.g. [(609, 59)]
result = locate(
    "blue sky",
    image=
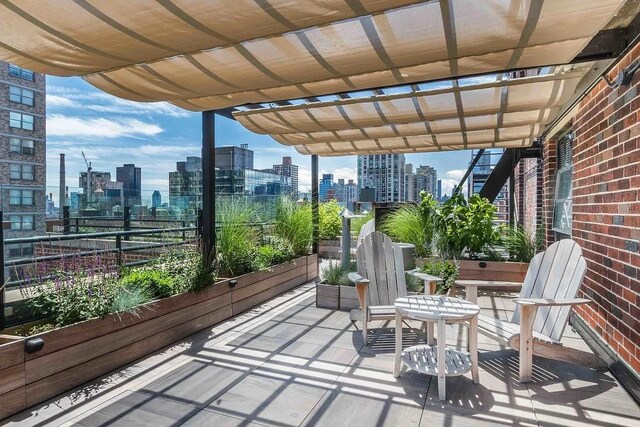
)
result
[(154, 136)]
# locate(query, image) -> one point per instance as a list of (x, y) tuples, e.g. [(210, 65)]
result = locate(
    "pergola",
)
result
[(314, 75)]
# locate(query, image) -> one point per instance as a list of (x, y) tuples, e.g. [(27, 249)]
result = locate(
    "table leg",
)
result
[(429, 330), (397, 365), (441, 348), (473, 348)]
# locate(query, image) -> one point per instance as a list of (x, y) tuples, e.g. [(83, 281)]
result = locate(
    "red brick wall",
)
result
[(529, 194), (606, 210)]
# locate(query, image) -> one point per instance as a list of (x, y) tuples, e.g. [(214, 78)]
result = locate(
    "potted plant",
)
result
[(336, 291)]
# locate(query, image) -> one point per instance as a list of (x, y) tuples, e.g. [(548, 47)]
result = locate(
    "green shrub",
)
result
[(464, 225), (293, 223), (330, 222), (153, 283), (521, 245), (335, 275), (407, 225), (446, 270), (70, 301), (236, 239), (414, 284), (186, 267), (358, 222), (276, 252)]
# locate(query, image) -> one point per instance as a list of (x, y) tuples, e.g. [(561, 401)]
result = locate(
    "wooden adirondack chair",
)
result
[(542, 312), (365, 230), (381, 279)]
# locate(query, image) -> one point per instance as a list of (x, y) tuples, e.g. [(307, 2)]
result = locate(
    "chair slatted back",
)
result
[(365, 230), (555, 273), (380, 261)]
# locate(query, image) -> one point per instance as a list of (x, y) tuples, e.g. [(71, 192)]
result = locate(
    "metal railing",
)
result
[(120, 243)]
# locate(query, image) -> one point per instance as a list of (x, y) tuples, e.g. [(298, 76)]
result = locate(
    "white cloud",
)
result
[(101, 102), (342, 173), (447, 186), (61, 125), (455, 174)]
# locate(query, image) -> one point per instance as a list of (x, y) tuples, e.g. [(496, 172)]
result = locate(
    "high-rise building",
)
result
[(250, 182), (102, 195), (22, 154), (326, 187), (185, 187), (479, 176), (410, 183), (234, 157), (439, 190), (385, 173), (346, 192), (426, 179), (156, 199), (288, 169), (130, 176)]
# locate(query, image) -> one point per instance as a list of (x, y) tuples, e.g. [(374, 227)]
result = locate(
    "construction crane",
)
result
[(89, 194)]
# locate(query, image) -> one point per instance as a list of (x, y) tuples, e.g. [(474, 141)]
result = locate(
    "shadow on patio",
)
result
[(288, 363)]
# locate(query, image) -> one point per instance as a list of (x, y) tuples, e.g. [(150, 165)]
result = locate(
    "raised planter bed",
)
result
[(78, 353), (501, 271)]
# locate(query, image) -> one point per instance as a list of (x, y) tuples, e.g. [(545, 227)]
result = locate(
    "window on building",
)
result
[(21, 95), (19, 171), (563, 208), (21, 197), (24, 249), (22, 146), (21, 73), (22, 222), (21, 120)]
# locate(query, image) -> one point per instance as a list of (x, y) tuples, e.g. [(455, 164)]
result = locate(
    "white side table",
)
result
[(437, 359)]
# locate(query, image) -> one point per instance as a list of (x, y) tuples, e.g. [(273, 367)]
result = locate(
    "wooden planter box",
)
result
[(493, 270), (336, 297), (503, 271), (82, 352)]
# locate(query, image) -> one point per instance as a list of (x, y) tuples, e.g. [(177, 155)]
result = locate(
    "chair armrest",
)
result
[(424, 276), (358, 279), (551, 301)]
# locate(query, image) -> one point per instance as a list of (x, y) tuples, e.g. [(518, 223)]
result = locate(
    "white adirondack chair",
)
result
[(365, 230), (542, 311), (380, 279)]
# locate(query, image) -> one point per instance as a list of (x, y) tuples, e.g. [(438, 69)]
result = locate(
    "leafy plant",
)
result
[(184, 265), (407, 224), (330, 222), (464, 225), (335, 275), (236, 239), (446, 270), (293, 223), (150, 283), (276, 252), (520, 244)]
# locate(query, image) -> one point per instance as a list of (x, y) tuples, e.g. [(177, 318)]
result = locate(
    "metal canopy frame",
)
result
[(608, 44)]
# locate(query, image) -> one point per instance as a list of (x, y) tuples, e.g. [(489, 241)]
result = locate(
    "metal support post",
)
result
[(315, 212), (208, 184), (66, 223), (2, 277), (119, 248), (346, 241), (126, 223)]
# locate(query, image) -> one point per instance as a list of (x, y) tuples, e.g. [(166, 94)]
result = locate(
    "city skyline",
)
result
[(154, 136)]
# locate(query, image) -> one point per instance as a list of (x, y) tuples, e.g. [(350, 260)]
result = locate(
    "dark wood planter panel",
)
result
[(493, 270), (79, 353)]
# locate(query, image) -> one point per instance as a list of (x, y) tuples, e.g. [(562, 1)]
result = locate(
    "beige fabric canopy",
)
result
[(204, 55), (502, 113)]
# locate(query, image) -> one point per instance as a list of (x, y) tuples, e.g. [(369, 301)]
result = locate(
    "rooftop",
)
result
[(288, 363)]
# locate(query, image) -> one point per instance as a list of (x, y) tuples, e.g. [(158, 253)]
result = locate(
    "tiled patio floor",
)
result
[(289, 363)]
